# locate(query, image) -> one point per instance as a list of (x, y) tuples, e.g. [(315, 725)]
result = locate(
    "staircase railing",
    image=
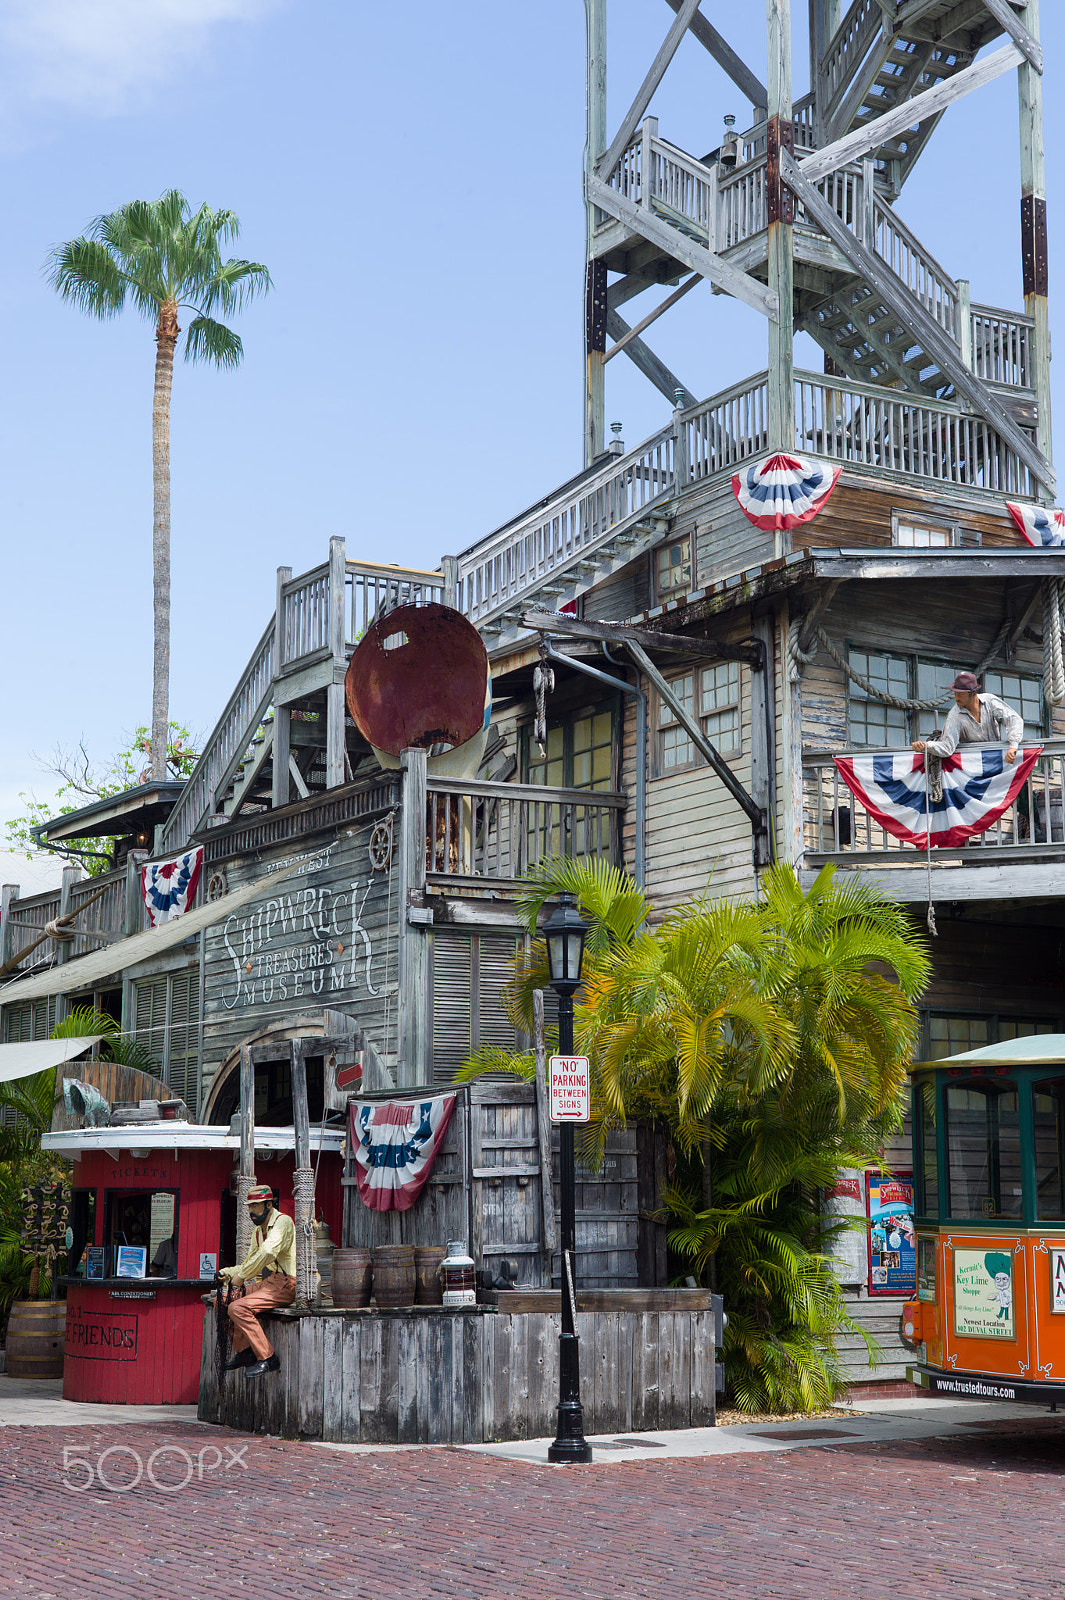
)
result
[(905, 433), (848, 48), (727, 428), (919, 270), (568, 528)]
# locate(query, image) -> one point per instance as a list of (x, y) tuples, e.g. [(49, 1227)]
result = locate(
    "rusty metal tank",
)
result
[(419, 679)]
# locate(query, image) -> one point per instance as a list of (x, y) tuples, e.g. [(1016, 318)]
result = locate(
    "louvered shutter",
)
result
[(181, 1061), (149, 1019), (452, 1004), (495, 968)]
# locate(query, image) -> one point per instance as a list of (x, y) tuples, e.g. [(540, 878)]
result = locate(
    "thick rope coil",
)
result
[(1053, 664), (799, 658), (306, 1265), (244, 1227), (56, 930)]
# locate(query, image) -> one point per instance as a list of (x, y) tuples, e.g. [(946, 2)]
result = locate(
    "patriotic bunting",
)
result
[(978, 786), (783, 491), (394, 1146), (1042, 526), (169, 887)]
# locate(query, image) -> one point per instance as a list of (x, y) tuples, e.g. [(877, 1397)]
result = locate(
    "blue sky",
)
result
[(410, 174)]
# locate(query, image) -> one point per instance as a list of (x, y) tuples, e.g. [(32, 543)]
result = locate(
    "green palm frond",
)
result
[(207, 340)]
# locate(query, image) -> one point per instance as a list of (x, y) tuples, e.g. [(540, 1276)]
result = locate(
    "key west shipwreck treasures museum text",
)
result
[(698, 656)]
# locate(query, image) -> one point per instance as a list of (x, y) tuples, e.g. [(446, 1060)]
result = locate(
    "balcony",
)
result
[(1021, 855)]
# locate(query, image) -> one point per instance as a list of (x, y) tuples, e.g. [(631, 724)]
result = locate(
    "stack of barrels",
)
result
[(398, 1275)]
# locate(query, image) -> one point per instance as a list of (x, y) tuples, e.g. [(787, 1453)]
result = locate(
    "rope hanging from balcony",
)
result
[(1053, 654), (801, 658), (306, 1265)]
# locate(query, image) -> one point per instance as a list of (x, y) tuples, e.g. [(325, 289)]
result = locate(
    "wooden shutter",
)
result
[(149, 1019), (452, 1004), (495, 968), (184, 1038)]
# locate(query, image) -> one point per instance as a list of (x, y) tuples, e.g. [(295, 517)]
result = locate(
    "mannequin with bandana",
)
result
[(264, 1279)]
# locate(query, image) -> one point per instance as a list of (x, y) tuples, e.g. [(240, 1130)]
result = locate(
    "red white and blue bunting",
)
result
[(169, 887), (978, 786), (1042, 526), (394, 1146), (783, 491)]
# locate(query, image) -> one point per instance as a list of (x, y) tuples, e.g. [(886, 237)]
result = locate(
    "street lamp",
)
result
[(564, 935)]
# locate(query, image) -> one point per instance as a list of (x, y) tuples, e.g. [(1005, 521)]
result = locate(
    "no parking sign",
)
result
[(571, 1094)]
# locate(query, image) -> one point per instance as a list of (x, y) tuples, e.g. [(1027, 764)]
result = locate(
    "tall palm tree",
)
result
[(165, 258)]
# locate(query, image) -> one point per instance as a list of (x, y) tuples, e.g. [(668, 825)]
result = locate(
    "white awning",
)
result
[(37, 1055), (113, 959), (179, 1136)]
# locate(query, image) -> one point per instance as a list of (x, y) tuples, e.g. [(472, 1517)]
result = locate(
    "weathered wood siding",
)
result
[(324, 936), (878, 1315), (859, 512), (433, 1376)]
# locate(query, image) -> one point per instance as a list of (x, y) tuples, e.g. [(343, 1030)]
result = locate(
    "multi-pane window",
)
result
[(673, 568), (949, 1036), (876, 725), (580, 753), (165, 1021), (915, 536), (712, 695)]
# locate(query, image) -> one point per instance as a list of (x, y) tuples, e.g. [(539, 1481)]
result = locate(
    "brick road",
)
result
[(974, 1518)]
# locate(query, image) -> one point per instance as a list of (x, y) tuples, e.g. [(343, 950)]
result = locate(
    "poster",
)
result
[(892, 1236), (1057, 1281), (983, 1294)]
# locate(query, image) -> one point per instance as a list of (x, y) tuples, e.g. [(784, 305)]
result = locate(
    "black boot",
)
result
[(243, 1358), (271, 1364)]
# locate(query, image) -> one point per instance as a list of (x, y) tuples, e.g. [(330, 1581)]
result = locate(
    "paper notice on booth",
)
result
[(571, 1094)]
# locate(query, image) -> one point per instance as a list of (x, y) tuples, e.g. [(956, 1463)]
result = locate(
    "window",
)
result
[(147, 1219), (926, 1176), (673, 568), (166, 1021), (718, 710), (914, 536), (580, 753), (35, 1020), (1048, 1119), (983, 1149), (949, 1036), (875, 725)]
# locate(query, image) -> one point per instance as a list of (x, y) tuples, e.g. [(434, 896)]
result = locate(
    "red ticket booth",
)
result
[(152, 1220)]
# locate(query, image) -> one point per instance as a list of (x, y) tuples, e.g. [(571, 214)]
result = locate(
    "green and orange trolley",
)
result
[(988, 1322)]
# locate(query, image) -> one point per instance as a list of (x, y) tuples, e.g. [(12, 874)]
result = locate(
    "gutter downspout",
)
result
[(641, 740)]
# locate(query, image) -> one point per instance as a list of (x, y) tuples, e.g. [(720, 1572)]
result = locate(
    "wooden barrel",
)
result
[(351, 1276), (429, 1290), (35, 1333), (393, 1275)]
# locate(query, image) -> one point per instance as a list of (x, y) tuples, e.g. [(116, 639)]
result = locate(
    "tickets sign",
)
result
[(571, 1092)]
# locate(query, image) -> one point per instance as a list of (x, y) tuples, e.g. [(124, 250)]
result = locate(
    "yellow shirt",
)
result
[(274, 1248)]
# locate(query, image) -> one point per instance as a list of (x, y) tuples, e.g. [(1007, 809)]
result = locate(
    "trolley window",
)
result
[(1048, 1127), (983, 1149)]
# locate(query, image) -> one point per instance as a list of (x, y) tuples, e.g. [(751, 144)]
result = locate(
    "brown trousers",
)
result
[(252, 1298)]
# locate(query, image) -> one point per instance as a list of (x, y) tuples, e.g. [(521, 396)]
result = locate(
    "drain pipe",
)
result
[(641, 741)]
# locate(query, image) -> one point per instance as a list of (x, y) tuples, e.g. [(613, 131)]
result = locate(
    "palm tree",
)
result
[(165, 258)]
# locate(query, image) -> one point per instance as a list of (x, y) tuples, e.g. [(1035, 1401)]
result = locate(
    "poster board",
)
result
[(892, 1237), (983, 1292)]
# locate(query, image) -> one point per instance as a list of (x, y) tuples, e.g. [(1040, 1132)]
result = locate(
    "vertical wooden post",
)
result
[(8, 895), (450, 568), (1034, 261), (595, 272), (413, 964), (247, 1150), (71, 876), (867, 231), (648, 132), (335, 708), (549, 1235), (681, 463), (134, 921), (280, 795), (963, 332), (780, 134), (303, 1177)]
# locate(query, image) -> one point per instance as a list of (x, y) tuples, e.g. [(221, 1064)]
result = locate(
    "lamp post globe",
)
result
[(564, 934)]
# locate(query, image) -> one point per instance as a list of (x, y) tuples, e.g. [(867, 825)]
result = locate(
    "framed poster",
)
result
[(892, 1235), (983, 1294), (131, 1261)]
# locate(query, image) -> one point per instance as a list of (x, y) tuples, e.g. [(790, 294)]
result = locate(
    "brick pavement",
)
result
[(976, 1517)]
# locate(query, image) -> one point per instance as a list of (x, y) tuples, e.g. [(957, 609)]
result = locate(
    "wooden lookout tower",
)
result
[(799, 216)]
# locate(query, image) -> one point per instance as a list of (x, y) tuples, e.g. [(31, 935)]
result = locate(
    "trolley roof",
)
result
[(1039, 1049)]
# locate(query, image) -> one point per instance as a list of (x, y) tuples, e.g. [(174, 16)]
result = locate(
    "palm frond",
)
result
[(208, 340)]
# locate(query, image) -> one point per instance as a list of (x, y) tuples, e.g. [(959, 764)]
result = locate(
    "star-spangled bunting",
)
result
[(169, 887), (783, 491), (1042, 526), (394, 1146), (978, 786)]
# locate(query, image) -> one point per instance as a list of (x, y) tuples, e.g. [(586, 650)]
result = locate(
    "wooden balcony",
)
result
[(1022, 855), (484, 836)]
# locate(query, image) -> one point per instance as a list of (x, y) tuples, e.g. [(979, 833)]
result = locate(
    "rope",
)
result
[(543, 685), (56, 930), (1053, 664), (222, 1331), (243, 1216), (801, 658), (306, 1266), (933, 769)]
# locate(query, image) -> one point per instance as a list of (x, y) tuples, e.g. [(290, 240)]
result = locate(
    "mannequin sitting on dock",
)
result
[(976, 718), (264, 1279)]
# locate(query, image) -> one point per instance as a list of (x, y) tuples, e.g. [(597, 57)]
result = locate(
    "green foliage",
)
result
[(82, 782), (771, 1035), (492, 1059), (161, 255)]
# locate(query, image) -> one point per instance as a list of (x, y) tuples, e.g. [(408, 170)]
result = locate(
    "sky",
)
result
[(410, 175)]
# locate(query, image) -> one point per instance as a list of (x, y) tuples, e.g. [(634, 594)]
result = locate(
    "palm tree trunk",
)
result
[(166, 338)]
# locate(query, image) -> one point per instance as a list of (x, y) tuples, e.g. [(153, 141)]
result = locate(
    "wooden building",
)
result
[(694, 739)]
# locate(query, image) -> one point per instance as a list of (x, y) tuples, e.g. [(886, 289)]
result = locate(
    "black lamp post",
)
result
[(564, 933)]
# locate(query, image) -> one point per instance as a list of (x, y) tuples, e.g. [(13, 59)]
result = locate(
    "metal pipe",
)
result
[(639, 857)]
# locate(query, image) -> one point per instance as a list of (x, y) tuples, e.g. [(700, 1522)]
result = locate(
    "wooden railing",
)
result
[(106, 915), (904, 433), (373, 590), (728, 428), (1002, 346), (550, 541), (753, 142), (908, 259), (498, 830), (835, 825), (847, 49)]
